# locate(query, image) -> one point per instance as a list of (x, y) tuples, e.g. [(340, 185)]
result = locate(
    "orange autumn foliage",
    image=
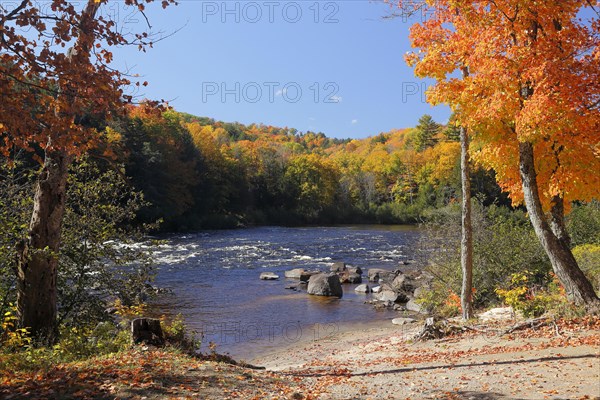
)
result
[(56, 79), (534, 76)]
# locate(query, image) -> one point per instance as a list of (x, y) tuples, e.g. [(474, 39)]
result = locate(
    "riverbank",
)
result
[(556, 361)]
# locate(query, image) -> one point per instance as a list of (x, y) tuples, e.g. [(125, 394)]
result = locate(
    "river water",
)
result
[(214, 278)]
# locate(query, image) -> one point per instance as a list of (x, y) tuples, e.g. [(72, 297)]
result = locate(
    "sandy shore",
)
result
[(382, 362)]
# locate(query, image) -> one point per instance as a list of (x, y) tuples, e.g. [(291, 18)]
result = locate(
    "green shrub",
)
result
[(440, 301), (76, 343), (504, 243), (583, 223), (178, 335), (588, 258)]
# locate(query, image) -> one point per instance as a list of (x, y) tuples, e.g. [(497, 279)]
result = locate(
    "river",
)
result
[(214, 278)]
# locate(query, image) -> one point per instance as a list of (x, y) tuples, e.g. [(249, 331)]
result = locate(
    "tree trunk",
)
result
[(557, 220), (578, 288), (466, 244), (38, 254)]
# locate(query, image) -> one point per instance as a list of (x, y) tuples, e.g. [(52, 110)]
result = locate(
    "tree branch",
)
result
[(11, 15)]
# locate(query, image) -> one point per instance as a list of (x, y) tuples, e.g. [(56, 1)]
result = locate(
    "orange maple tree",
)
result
[(56, 85), (530, 100)]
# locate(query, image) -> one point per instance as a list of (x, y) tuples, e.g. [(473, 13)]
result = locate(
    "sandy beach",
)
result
[(382, 362)]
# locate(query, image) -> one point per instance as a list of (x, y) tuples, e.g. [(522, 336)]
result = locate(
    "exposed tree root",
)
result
[(530, 323)]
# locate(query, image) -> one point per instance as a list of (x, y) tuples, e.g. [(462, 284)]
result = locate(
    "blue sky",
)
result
[(335, 67)]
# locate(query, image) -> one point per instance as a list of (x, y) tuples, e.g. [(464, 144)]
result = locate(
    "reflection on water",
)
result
[(214, 278)]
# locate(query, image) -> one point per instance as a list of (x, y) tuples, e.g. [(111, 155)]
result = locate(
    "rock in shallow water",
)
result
[(364, 288), (354, 270), (348, 277), (304, 277), (295, 273), (325, 285), (268, 276), (380, 275), (338, 267)]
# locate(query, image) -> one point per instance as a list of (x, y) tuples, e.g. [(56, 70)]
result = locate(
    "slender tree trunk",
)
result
[(466, 244), (553, 236), (38, 253)]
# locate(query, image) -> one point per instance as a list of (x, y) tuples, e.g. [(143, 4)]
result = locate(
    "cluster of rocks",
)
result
[(397, 289), (321, 283), (393, 289), (347, 273)]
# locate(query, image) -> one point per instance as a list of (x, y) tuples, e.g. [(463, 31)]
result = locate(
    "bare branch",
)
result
[(592, 7), (12, 15)]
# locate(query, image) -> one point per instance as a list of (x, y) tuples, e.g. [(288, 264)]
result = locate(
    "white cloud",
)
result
[(354, 121), (281, 92), (335, 99)]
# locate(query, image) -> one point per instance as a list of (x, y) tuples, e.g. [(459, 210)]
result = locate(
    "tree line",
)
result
[(198, 173)]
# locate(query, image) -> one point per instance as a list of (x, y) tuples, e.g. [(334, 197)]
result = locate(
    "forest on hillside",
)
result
[(198, 173)]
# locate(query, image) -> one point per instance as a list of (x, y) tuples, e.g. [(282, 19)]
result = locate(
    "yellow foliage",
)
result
[(129, 312), (12, 336), (445, 157), (532, 300)]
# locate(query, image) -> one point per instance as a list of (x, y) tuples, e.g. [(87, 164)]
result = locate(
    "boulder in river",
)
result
[(338, 267), (399, 281), (305, 276), (294, 273), (268, 276), (378, 274), (377, 289), (404, 285), (373, 274), (354, 270), (364, 288), (325, 285), (349, 277)]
